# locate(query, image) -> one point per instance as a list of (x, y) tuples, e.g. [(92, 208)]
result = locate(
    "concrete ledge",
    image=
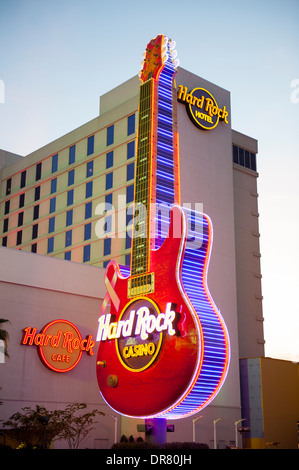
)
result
[(45, 272)]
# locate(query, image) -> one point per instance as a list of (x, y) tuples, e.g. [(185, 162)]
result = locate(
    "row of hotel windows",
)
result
[(70, 197), (71, 180), (67, 254), (244, 157), (69, 215), (68, 243), (72, 156)]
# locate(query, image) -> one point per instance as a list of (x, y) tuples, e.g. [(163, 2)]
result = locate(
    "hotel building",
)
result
[(64, 213)]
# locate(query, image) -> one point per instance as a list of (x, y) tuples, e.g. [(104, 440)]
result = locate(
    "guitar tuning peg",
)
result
[(176, 62), (172, 45)]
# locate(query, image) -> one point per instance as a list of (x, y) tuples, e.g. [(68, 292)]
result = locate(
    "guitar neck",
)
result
[(157, 175), (142, 201)]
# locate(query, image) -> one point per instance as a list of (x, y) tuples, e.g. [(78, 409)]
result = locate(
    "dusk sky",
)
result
[(59, 56)]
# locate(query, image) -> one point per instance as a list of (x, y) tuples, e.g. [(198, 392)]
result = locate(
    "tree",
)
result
[(26, 426), (29, 427), (76, 427)]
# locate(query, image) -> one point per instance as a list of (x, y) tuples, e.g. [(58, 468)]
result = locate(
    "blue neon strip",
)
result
[(214, 346), (125, 271), (165, 165)]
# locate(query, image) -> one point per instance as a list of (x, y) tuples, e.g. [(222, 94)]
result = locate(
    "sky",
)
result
[(57, 57)]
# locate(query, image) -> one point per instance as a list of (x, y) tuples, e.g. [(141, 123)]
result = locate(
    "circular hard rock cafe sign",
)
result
[(60, 345)]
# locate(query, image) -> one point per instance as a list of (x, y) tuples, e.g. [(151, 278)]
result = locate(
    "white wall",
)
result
[(35, 290)]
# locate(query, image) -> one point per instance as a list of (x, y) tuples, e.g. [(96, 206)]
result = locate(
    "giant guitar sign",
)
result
[(163, 345)]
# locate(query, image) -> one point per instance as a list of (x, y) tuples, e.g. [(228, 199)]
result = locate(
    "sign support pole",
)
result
[(157, 429)]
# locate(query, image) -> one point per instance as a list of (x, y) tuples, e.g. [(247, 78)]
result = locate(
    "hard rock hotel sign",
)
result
[(202, 108)]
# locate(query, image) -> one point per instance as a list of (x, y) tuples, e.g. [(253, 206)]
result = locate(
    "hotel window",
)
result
[(108, 202), (4, 241), (50, 244), (53, 185), (109, 159), (90, 145), (130, 171), (8, 186), (89, 169), (131, 149), (87, 231), (70, 197), (128, 259), (88, 190), (129, 218), (108, 224), (88, 210), (22, 200), (68, 238), (68, 255), (253, 161), (107, 246), (36, 212), (37, 193), (34, 248), (7, 206), (131, 124), (34, 231), (128, 239), (54, 163), (23, 179), (20, 218), (235, 154), (86, 253), (109, 180), (69, 217), (110, 134), (38, 171), (19, 237), (52, 205), (130, 193), (71, 177), (5, 225), (72, 154), (51, 224)]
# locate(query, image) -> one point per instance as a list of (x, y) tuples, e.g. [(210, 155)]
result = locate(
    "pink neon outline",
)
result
[(41, 352)]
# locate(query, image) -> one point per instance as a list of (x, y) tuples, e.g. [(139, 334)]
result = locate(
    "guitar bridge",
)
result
[(139, 285)]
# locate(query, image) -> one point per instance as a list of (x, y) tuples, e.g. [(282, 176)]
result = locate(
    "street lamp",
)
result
[(115, 426), (193, 423), (236, 430), (215, 422)]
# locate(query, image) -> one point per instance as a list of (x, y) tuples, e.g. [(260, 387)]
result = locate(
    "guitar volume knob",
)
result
[(112, 381)]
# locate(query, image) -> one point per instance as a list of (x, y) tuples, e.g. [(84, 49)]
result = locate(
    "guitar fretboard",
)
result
[(141, 228)]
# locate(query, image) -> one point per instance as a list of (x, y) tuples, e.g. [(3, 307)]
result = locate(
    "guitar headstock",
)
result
[(158, 51)]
